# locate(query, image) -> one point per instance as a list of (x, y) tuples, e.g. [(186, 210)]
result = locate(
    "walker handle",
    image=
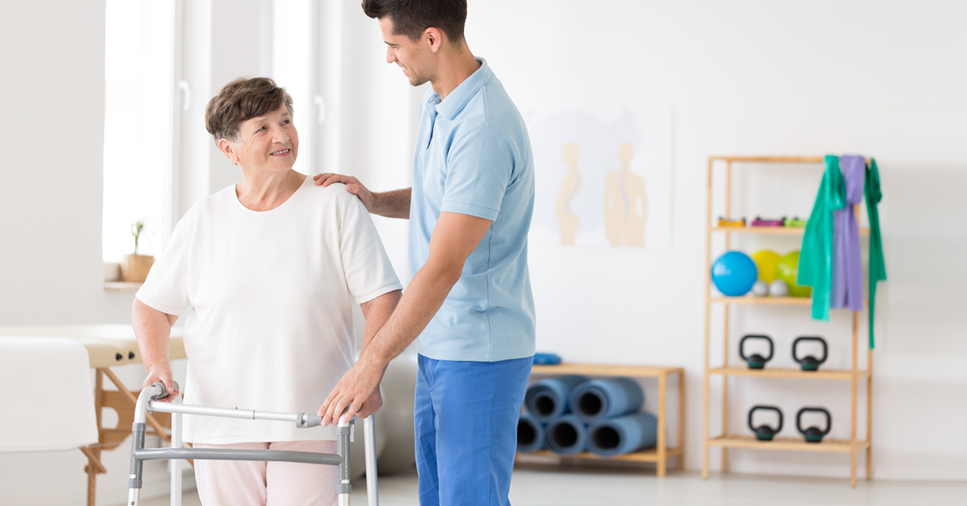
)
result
[(306, 420), (164, 389)]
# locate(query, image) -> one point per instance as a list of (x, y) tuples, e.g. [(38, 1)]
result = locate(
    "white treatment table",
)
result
[(46, 366)]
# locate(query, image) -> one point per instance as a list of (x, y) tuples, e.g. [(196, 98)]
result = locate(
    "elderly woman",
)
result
[(270, 268)]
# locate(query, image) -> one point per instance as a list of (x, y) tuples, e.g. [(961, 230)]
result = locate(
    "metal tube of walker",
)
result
[(175, 464), (138, 429), (372, 489), (343, 486), (245, 414)]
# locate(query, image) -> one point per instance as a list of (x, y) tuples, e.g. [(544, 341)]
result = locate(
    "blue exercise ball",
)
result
[(734, 273)]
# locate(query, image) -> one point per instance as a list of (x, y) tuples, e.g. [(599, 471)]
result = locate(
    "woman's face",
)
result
[(268, 142)]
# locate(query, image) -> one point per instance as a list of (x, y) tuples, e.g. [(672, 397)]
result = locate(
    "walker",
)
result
[(148, 401)]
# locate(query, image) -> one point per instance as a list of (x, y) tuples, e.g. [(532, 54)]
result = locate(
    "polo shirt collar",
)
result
[(458, 98)]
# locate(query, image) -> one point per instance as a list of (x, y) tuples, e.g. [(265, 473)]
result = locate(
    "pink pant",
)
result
[(242, 483)]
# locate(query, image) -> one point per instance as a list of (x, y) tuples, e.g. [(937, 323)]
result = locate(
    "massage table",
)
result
[(63, 356)]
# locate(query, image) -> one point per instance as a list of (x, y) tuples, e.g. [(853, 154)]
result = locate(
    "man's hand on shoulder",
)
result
[(352, 186)]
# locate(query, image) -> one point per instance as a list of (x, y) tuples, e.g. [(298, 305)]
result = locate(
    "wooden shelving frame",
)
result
[(661, 453), (726, 440)]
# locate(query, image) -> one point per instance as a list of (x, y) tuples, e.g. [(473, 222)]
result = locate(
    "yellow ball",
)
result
[(766, 261)]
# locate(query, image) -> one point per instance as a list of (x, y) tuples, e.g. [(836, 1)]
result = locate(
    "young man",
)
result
[(470, 299)]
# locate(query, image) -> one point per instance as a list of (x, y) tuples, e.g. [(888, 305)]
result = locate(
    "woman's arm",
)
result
[(153, 330), (376, 312)]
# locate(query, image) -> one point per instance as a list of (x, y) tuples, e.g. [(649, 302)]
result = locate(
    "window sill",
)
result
[(121, 286)]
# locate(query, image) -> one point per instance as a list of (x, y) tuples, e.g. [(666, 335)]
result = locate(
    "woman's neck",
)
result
[(264, 192)]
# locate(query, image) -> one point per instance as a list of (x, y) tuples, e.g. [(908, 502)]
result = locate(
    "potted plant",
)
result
[(134, 268)]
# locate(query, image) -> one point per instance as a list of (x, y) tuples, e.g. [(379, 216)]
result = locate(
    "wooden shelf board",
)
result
[(770, 159), (647, 455), (121, 286), (637, 371), (774, 301), (775, 372), (786, 443), (768, 230)]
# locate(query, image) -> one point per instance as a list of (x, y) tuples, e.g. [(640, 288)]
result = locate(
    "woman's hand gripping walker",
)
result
[(149, 401)]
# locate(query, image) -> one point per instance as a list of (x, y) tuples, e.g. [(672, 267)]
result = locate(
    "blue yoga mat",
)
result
[(599, 399), (566, 435), (547, 399), (530, 434), (624, 434)]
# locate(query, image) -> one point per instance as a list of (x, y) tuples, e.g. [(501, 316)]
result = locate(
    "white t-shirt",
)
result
[(271, 323)]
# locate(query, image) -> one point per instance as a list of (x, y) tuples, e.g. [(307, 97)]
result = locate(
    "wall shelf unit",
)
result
[(854, 375)]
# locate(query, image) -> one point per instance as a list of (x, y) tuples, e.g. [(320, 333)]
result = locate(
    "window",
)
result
[(139, 93)]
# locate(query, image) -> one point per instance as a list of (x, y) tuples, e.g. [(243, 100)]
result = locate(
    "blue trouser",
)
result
[(465, 423)]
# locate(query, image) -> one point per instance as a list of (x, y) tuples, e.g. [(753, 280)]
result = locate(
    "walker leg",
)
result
[(372, 489), (175, 464), (134, 477), (343, 485)]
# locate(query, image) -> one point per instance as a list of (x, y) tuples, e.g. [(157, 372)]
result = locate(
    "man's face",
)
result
[(414, 57)]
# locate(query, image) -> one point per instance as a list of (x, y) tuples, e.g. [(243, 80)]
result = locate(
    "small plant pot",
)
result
[(134, 268)]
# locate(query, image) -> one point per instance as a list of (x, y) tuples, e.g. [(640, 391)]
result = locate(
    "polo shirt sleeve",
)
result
[(480, 165), (367, 268), (166, 288)]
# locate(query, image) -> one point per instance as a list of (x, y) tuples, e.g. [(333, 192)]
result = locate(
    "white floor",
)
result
[(563, 486)]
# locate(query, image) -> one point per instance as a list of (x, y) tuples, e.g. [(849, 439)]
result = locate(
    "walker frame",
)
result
[(149, 401)]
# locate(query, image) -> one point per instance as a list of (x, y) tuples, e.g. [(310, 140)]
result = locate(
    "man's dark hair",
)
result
[(412, 17)]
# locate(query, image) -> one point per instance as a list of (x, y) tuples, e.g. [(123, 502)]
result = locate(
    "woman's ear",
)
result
[(225, 146)]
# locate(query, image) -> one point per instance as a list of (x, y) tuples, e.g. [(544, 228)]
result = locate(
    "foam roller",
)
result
[(530, 434), (566, 435), (625, 434), (547, 399), (597, 400)]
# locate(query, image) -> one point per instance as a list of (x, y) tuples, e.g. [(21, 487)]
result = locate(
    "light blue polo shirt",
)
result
[(473, 157)]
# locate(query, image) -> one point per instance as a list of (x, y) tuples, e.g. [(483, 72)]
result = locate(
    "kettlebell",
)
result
[(764, 432), (813, 434), (756, 361), (809, 363)]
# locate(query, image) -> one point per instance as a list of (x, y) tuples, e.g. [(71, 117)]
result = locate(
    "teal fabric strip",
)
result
[(877, 266), (816, 254)]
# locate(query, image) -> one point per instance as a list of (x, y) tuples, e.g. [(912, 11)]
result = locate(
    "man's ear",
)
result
[(225, 146), (434, 38)]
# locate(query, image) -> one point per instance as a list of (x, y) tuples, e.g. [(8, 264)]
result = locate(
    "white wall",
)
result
[(50, 197), (884, 79), (50, 200)]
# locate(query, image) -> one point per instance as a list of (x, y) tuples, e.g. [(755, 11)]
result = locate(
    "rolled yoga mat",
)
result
[(547, 399), (596, 400), (530, 434), (624, 434), (566, 435)]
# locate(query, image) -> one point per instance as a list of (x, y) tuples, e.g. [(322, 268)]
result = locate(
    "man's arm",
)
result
[(376, 312), (391, 204), (153, 330), (453, 240)]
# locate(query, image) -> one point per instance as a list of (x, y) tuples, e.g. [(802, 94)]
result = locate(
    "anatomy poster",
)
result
[(604, 176)]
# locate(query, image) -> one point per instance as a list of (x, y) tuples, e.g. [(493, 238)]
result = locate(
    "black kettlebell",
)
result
[(809, 363), (764, 432), (756, 361), (813, 434)]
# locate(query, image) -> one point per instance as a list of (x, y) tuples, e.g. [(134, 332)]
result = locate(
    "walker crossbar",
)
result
[(148, 401), (302, 420), (330, 459)]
